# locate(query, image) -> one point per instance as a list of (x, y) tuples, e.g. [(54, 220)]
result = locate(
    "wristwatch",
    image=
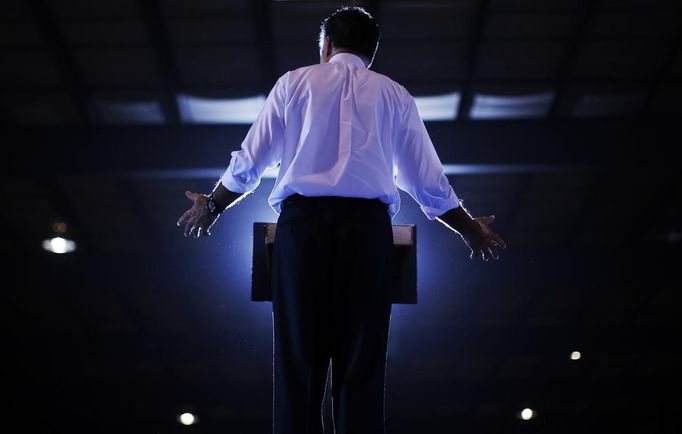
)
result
[(212, 206)]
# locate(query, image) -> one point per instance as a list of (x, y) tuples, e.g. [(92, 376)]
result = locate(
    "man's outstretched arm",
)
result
[(261, 148), (199, 219), (475, 232)]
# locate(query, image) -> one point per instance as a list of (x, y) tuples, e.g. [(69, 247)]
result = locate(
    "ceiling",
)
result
[(140, 324), (74, 62)]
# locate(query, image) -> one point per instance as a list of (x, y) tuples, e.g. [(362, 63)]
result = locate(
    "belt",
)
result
[(300, 199)]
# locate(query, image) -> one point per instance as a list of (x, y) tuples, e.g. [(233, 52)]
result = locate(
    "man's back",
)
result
[(340, 119), (339, 129)]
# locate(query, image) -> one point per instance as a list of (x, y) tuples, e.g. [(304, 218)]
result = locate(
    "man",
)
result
[(344, 137)]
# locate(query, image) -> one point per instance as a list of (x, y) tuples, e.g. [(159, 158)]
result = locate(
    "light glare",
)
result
[(59, 245), (187, 419), (438, 107), (575, 355), (511, 106), (527, 414), (197, 110), (194, 109)]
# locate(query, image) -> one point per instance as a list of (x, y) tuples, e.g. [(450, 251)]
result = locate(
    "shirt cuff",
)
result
[(439, 206), (238, 184), (241, 175)]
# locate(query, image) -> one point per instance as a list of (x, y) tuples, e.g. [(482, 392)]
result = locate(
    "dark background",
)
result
[(140, 324)]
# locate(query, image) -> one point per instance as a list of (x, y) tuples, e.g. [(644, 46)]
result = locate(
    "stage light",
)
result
[(187, 419), (59, 245), (575, 355), (438, 107), (527, 414), (511, 106), (196, 110)]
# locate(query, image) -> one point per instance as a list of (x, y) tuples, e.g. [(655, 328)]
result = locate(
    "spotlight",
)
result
[(187, 419), (59, 245), (527, 414), (575, 355)]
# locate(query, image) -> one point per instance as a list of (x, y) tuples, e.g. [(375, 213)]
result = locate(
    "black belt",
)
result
[(300, 199)]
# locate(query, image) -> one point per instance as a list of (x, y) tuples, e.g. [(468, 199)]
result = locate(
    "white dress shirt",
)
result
[(339, 129)]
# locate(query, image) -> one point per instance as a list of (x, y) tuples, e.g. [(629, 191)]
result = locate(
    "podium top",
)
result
[(403, 235), (404, 280)]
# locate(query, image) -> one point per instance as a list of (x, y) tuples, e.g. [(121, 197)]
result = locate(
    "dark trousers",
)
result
[(331, 273)]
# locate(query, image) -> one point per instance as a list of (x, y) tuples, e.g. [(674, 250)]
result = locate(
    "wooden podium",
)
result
[(403, 289)]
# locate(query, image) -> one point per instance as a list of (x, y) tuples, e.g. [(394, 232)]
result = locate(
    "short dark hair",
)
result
[(352, 28)]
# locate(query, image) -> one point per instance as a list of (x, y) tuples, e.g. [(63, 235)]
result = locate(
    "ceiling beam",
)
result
[(517, 81), (674, 52), (262, 17), (555, 144), (575, 43), (165, 60), (467, 91), (51, 32)]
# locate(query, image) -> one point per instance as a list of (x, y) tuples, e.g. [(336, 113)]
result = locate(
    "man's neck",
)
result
[(336, 51)]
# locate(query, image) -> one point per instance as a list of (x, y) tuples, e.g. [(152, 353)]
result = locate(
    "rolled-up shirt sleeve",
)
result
[(262, 146), (419, 170)]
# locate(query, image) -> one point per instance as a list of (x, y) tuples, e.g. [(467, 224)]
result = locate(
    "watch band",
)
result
[(212, 206)]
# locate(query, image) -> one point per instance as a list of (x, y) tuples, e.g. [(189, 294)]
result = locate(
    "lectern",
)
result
[(404, 286)]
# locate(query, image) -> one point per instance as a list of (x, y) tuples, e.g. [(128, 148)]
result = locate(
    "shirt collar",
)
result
[(348, 58)]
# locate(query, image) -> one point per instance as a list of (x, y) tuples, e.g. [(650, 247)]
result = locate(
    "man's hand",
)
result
[(197, 220), (482, 241), (475, 232)]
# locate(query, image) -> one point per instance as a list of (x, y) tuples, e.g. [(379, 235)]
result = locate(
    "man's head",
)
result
[(349, 29)]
